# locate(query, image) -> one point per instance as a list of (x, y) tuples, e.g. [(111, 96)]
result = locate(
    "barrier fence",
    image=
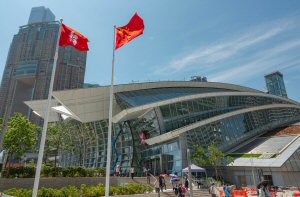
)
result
[(252, 192)]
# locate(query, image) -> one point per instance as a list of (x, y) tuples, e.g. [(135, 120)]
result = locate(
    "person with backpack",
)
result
[(181, 190), (213, 190), (157, 187), (162, 183)]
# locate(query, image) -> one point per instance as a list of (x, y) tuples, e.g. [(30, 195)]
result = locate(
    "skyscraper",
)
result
[(275, 84), (29, 63), (40, 14)]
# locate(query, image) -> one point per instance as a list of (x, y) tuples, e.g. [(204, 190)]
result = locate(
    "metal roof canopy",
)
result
[(91, 104)]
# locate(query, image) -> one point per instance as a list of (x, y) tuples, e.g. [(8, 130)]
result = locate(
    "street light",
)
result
[(251, 160), (190, 172)]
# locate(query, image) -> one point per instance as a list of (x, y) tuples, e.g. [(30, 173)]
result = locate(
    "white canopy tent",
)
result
[(194, 168)]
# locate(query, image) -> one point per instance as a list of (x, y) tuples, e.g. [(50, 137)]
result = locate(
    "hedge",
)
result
[(83, 191), (49, 171)]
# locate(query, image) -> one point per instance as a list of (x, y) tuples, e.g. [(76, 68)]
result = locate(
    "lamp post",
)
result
[(251, 160), (190, 173)]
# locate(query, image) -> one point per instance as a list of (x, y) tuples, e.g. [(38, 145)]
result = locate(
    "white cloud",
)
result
[(214, 53), (264, 60)]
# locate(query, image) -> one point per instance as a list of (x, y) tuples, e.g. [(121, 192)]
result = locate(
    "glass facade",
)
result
[(40, 14), (25, 70), (275, 84), (292, 165), (180, 114), (145, 96), (92, 139), (128, 140), (229, 132)]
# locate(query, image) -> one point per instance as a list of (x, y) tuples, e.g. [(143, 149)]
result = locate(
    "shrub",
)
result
[(69, 171), (100, 171), (80, 172), (51, 171), (91, 172), (19, 192), (56, 172), (83, 191), (22, 172), (27, 172), (46, 170)]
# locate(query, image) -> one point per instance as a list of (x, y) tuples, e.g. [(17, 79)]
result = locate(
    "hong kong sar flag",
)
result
[(72, 37)]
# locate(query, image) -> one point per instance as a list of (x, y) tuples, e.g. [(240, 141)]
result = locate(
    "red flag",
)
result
[(72, 37), (133, 29)]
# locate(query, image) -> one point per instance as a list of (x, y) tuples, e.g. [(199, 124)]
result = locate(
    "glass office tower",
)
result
[(40, 14), (275, 84), (29, 64)]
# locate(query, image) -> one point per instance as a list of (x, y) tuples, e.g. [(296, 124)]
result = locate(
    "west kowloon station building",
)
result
[(155, 123)]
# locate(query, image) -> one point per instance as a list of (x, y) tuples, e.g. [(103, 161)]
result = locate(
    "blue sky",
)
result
[(229, 41)]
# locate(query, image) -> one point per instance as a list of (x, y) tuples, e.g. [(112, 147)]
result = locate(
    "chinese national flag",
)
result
[(133, 29), (72, 37)]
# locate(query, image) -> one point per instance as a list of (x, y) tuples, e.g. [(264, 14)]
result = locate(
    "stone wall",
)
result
[(59, 182)]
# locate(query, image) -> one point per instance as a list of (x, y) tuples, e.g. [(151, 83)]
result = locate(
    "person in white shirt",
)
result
[(132, 172), (213, 190), (156, 185), (261, 191)]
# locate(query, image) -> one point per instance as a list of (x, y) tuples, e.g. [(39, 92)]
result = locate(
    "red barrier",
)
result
[(253, 191), (240, 193), (297, 194)]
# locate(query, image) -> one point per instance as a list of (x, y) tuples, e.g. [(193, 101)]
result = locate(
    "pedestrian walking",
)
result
[(261, 191), (117, 171), (181, 190), (175, 189), (162, 183), (157, 188), (186, 183), (148, 176), (227, 190), (132, 172), (213, 190)]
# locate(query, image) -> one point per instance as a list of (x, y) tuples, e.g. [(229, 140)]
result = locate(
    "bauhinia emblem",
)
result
[(73, 38)]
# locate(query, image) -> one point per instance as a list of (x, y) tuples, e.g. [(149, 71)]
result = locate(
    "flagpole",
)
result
[(108, 152), (46, 117)]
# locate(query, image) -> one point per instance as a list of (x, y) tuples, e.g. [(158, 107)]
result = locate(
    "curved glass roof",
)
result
[(145, 96)]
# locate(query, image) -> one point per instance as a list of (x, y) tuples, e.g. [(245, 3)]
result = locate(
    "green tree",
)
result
[(199, 156), (60, 138), (212, 156), (215, 158), (20, 137)]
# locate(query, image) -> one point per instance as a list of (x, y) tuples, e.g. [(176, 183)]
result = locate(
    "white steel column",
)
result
[(190, 172), (108, 153), (46, 117)]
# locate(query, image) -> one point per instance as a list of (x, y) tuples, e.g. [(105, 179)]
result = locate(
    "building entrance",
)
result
[(154, 165)]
